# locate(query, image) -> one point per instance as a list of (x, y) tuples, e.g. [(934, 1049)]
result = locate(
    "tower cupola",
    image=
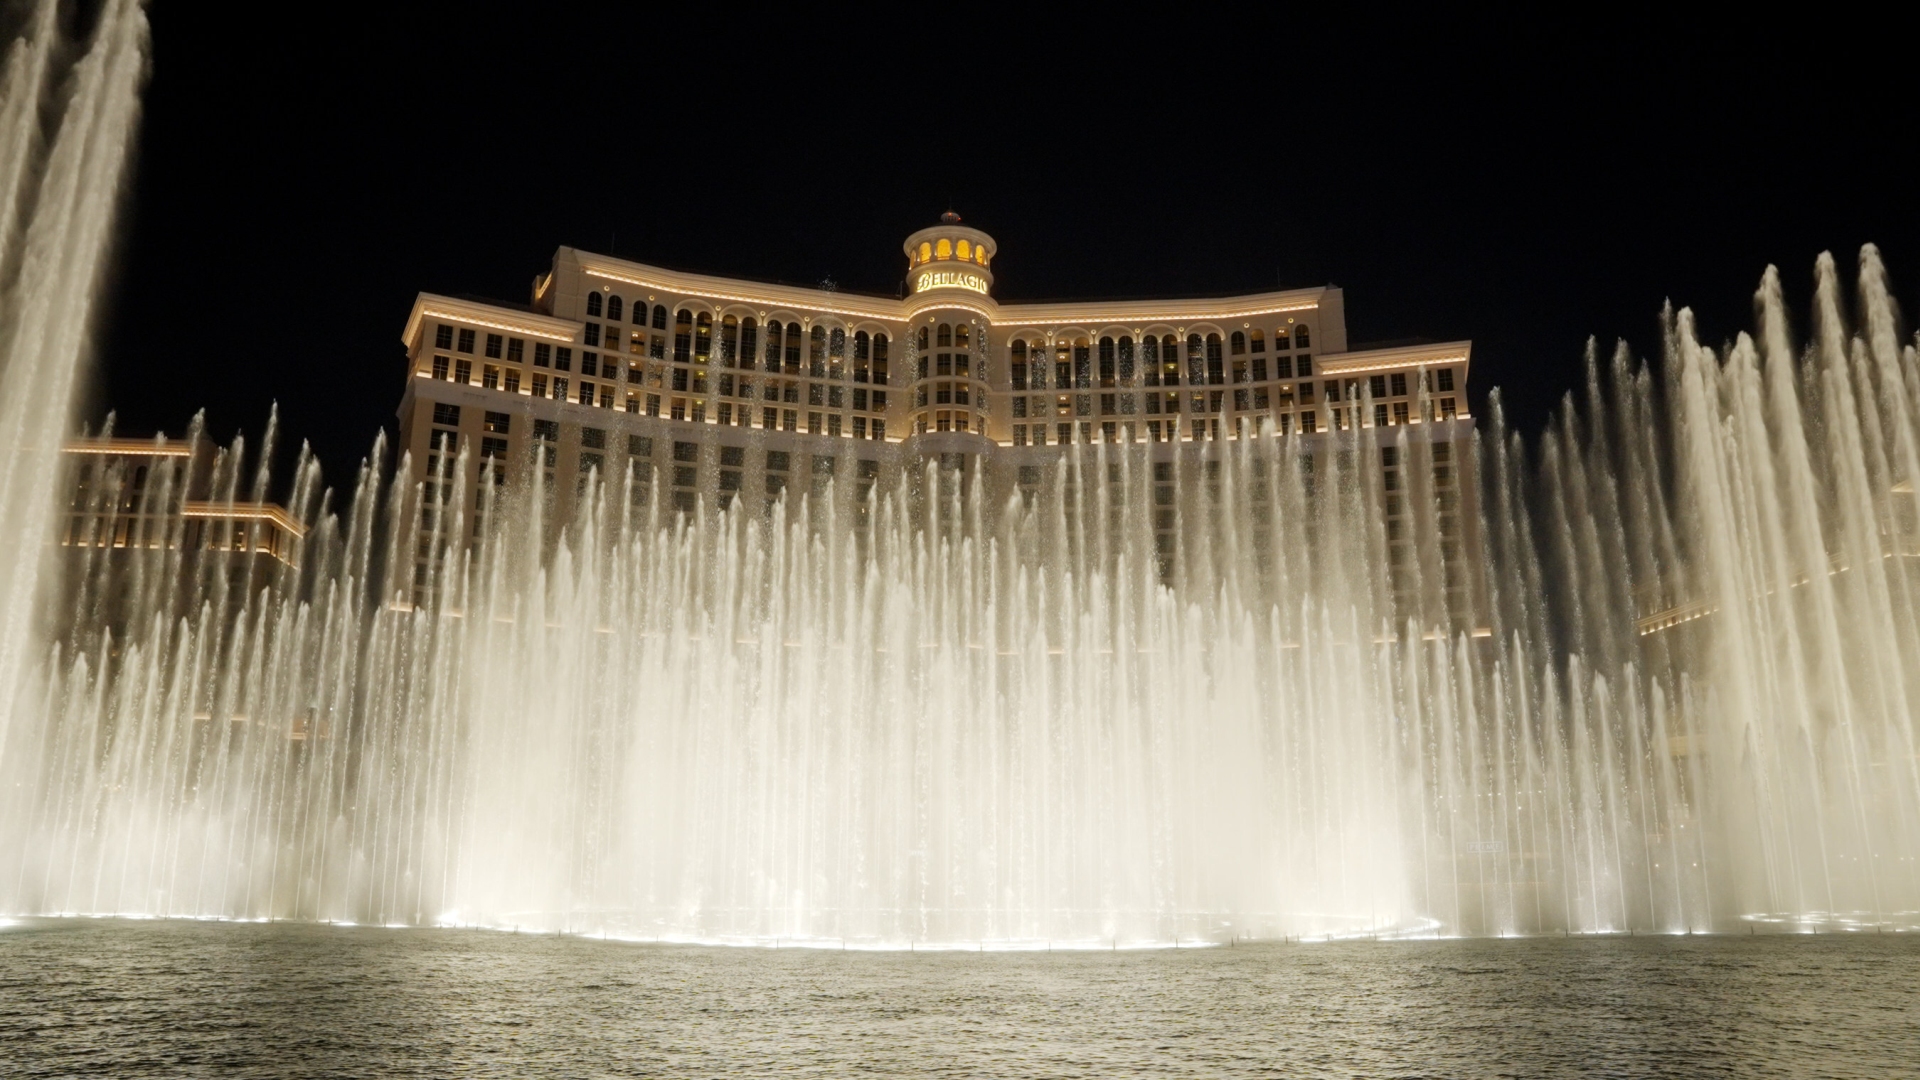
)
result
[(950, 257)]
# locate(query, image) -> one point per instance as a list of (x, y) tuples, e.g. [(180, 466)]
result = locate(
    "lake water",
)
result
[(147, 998)]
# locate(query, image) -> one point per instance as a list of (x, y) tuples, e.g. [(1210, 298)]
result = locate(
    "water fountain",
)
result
[(957, 721)]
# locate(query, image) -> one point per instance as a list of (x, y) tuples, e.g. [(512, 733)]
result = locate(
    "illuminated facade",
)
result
[(720, 390)]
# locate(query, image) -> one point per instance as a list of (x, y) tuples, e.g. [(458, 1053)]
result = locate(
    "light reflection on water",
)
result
[(165, 998)]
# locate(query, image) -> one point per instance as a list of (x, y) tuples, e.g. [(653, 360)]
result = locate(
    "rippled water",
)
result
[(108, 998)]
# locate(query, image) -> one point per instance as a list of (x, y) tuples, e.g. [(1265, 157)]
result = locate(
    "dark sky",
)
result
[(1522, 186)]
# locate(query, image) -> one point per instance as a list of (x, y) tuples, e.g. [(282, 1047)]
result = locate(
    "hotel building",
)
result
[(721, 390)]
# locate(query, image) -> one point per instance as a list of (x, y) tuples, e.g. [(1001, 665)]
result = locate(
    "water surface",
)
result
[(137, 999)]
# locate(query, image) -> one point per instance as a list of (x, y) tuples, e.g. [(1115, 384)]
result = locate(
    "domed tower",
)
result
[(949, 288)]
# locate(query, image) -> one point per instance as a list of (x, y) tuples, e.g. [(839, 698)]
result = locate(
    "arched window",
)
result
[(1106, 361), (1126, 359), (613, 307), (926, 251), (659, 316), (960, 335), (703, 337), (1300, 337), (1259, 340), (944, 336), (945, 250), (593, 304), (1238, 343), (729, 340), (963, 251), (880, 358), (749, 341), (980, 255)]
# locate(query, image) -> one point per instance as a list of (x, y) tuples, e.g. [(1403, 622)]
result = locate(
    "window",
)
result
[(1377, 385), (773, 345), (466, 341), (593, 334), (592, 438), (1300, 339), (542, 354), (592, 462), (539, 386), (496, 423), (1237, 343), (703, 337), (659, 316), (593, 305), (439, 367), (562, 358), (589, 363), (443, 337), (682, 336), (559, 389), (1443, 380), (493, 448), (446, 414), (494, 342), (613, 307), (1399, 380), (512, 385), (1304, 365), (749, 341)]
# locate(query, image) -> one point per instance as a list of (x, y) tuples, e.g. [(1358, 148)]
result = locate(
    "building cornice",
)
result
[(492, 316), (732, 291), (758, 295), (1440, 352), (1140, 313)]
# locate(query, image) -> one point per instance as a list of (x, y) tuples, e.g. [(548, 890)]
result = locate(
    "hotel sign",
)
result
[(951, 279)]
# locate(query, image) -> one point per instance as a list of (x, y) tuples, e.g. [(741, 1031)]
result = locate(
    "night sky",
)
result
[(1522, 186)]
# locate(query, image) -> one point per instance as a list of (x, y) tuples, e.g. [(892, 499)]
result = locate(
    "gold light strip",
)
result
[(131, 448), (902, 316), (529, 331)]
